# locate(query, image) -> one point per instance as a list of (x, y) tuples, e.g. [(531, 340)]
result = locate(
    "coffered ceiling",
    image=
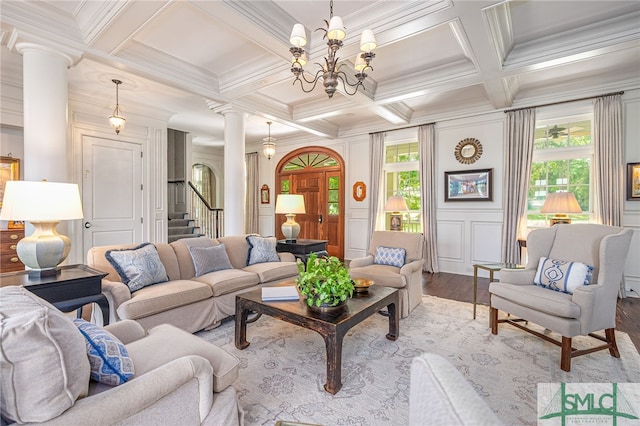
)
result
[(181, 60)]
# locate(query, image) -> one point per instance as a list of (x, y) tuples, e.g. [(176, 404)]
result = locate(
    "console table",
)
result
[(73, 287), (301, 249)]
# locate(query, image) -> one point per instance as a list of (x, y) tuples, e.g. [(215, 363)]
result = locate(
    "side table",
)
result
[(491, 267), (301, 249), (73, 287)]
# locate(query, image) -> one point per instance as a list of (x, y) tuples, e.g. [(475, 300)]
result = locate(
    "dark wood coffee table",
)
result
[(332, 326)]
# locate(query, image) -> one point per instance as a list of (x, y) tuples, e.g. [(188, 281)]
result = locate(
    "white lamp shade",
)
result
[(336, 29), (367, 41), (117, 122), (41, 201), (561, 202), (298, 36), (290, 203), (360, 63), (396, 203)]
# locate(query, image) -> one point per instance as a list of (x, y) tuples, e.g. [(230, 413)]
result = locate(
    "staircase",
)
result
[(180, 226)]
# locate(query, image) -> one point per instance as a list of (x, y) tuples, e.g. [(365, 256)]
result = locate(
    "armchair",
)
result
[(590, 308), (179, 378), (407, 278)]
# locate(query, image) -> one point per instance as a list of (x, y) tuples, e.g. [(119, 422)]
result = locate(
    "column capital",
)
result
[(228, 109), (24, 42)]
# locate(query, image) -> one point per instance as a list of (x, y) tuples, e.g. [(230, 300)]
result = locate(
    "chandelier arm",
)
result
[(315, 79), (345, 79), (302, 85)]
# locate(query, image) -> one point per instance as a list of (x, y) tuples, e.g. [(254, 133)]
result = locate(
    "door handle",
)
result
[(319, 218), (87, 225)]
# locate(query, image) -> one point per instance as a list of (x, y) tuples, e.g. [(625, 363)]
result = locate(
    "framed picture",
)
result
[(9, 170), (633, 181), (469, 185), (264, 194)]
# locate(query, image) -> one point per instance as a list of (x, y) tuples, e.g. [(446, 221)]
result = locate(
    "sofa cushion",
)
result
[(237, 249), (273, 271), (228, 280), (392, 256), (537, 298), (108, 357), (44, 365), (560, 275), (162, 297), (262, 249), (153, 351), (209, 259), (138, 267)]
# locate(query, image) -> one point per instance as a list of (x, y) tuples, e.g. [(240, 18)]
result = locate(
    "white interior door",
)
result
[(111, 192)]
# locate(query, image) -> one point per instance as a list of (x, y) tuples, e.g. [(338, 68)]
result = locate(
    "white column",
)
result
[(45, 113), (234, 173)]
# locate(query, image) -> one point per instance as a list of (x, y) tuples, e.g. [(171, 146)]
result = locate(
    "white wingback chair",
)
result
[(590, 308), (407, 279)]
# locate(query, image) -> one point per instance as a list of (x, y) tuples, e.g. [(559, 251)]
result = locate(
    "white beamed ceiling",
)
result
[(180, 60)]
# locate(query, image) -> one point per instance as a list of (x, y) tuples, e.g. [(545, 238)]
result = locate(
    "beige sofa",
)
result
[(186, 301), (177, 378)]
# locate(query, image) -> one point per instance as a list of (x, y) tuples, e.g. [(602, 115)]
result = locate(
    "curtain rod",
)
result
[(564, 102), (403, 128)]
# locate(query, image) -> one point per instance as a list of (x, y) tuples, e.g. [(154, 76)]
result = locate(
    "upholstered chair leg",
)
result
[(493, 319), (565, 357), (610, 334)]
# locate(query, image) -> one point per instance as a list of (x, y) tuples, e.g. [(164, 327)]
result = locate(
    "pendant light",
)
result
[(116, 120)]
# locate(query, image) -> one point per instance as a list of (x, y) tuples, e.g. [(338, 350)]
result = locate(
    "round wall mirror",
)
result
[(468, 151)]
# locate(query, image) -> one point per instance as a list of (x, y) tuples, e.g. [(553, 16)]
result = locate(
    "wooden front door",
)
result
[(318, 174)]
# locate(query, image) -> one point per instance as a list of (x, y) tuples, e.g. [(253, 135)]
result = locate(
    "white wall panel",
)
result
[(356, 230), (486, 242), (451, 240)]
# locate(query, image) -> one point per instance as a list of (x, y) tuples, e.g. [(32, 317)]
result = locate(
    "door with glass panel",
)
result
[(318, 174)]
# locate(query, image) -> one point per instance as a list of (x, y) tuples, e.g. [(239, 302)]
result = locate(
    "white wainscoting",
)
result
[(357, 229)]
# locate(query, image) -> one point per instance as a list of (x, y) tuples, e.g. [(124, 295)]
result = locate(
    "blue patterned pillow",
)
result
[(393, 256), (138, 267), (209, 259), (108, 357), (262, 249), (560, 275)]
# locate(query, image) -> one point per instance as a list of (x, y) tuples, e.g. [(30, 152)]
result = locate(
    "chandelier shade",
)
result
[(330, 72), (116, 120)]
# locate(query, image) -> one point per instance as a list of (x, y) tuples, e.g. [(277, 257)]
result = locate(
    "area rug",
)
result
[(283, 370)]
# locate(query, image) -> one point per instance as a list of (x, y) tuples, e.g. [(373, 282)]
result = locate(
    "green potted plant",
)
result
[(325, 282)]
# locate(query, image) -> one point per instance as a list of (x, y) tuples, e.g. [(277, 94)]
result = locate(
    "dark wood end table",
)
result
[(73, 287), (332, 326), (302, 249)]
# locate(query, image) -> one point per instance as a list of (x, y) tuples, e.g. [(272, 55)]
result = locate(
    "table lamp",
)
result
[(560, 203), (290, 205), (44, 205), (396, 204)]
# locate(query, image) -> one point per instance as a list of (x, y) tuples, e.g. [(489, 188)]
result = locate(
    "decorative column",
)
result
[(234, 170), (46, 149)]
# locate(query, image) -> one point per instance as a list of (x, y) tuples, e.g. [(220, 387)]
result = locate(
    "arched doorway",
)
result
[(318, 174)]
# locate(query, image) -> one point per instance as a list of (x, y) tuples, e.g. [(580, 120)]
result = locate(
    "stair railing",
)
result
[(209, 219)]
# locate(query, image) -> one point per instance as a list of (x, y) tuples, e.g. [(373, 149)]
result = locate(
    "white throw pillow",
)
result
[(44, 365), (562, 275)]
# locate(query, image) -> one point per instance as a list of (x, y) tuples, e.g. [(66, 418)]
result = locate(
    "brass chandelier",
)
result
[(330, 71)]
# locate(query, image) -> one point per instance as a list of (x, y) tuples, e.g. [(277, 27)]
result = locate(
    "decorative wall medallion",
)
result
[(359, 191), (468, 151)]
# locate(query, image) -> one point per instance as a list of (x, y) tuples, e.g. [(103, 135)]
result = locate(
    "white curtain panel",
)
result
[(608, 163), (429, 198), (376, 142), (252, 193), (520, 128)]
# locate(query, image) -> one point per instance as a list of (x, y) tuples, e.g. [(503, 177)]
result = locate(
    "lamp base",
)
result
[(559, 218), (43, 250), (396, 222), (290, 229)]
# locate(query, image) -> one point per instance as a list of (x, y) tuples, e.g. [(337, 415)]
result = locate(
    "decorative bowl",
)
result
[(361, 285)]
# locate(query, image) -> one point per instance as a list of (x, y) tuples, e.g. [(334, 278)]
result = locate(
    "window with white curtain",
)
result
[(562, 161), (403, 178)]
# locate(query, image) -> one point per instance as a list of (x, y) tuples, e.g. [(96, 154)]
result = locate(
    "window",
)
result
[(402, 178), (562, 159)]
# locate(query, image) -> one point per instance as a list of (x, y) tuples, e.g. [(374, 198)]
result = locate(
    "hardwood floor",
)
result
[(460, 287)]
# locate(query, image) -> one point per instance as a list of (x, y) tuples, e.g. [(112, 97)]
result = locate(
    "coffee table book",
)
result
[(284, 293)]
